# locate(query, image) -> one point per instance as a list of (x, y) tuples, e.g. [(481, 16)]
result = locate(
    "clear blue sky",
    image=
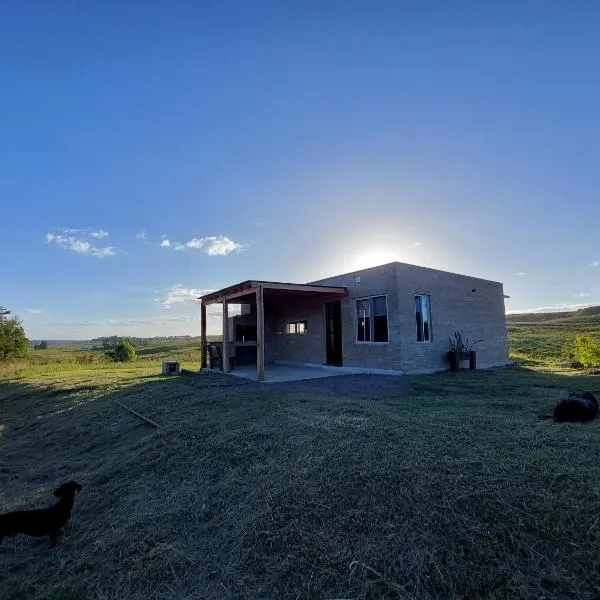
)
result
[(290, 141)]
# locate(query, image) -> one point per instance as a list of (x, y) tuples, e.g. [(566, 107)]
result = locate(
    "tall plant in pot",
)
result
[(461, 348)]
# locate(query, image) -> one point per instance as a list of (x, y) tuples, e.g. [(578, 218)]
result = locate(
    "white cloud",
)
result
[(100, 234), (179, 294), (34, 311), (581, 295), (81, 246), (141, 235), (521, 273), (595, 263), (214, 245), (417, 243)]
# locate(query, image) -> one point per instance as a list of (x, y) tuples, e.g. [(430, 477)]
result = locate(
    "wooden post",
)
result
[(203, 343), (225, 337), (260, 335)]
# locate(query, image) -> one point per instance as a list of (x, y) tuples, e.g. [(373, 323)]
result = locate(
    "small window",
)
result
[(372, 319), (297, 327), (423, 314)]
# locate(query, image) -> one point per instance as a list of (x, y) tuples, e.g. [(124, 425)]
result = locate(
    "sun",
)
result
[(371, 258)]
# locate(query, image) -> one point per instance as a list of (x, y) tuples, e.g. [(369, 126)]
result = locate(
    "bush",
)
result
[(587, 351), (568, 351), (13, 342), (124, 351)]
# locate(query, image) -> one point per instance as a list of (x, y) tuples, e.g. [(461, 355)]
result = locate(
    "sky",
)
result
[(150, 151)]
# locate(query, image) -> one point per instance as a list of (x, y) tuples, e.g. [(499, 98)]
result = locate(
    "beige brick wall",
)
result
[(373, 282), (454, 306), (457, 302), (307, 347)]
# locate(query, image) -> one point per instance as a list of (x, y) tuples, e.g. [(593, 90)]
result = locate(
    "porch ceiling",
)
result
[(245, 292)]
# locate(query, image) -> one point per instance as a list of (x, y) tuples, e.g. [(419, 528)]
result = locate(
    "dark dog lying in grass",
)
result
[(577, 407), (43, 521)]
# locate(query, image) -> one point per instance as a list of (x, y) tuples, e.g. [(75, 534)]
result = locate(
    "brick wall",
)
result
[(454, 306)]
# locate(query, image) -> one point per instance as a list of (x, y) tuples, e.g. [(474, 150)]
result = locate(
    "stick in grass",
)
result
[(137, 414)]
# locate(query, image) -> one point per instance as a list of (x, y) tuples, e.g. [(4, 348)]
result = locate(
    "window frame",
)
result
[(371, 342), (295, 324), (430, 329)]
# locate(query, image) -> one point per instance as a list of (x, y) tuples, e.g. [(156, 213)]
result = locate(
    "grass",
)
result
[(445, 486)]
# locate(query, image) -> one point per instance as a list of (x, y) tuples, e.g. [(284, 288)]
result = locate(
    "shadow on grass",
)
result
[(351, 486)]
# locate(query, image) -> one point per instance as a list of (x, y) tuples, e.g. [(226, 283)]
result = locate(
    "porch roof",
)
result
[(248, 288)]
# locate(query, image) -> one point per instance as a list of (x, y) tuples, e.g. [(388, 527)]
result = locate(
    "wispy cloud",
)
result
[(214, 245), (595, 263), (100, 234), (521, 273), (34, 311), (141, 235), (582, 295), (79, 244), (418, 244), (178, 294), (553, 308)]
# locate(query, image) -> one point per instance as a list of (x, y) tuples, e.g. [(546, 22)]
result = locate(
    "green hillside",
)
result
[(543, 336)]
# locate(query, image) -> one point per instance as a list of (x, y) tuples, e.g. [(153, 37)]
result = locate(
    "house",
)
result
[(394, 318)]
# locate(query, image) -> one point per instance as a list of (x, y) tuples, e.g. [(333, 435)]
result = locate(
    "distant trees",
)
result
[(41, 346), (13, 341)]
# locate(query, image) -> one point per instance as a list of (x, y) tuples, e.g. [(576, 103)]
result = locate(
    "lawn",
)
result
[(444, 486)]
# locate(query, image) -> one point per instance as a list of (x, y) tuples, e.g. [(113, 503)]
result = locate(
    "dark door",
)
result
[(333, 316)]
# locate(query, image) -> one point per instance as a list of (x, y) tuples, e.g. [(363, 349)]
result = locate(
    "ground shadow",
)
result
[(358, 486)]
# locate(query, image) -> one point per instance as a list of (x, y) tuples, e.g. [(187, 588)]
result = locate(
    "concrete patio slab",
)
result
[(281, 373)]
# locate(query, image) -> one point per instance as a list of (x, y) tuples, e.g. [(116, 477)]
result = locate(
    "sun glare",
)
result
[(372, 259)]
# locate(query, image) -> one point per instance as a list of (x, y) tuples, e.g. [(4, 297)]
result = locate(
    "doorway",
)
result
[(333, 318)]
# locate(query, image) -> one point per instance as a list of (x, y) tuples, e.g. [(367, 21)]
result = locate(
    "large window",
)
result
[(296, 327), (423, 313), (372, 319)]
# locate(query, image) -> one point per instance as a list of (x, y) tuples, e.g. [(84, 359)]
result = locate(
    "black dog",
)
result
[(43, 521), (578, 407)]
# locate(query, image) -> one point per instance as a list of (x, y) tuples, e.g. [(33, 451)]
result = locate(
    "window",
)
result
[(372, 319), (245, 333), (296, 327), (423, 318)]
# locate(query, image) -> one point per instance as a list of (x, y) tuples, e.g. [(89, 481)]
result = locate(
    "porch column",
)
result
[(203, 345), (225, 337), (260, 335)]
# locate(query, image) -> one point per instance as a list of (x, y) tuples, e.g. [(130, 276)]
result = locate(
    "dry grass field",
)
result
[(446, 486)]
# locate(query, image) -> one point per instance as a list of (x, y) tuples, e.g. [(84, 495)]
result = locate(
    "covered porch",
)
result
[(277, 319)]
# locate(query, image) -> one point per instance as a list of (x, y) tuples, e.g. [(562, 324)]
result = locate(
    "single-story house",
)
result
[(394, 318)]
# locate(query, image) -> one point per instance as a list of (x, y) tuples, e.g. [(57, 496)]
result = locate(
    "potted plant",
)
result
[(461, 348)]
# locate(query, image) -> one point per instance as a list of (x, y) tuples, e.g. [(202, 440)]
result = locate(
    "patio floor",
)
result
[(280, 373)]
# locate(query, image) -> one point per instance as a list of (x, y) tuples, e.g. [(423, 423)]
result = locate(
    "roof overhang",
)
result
[(250, 287)]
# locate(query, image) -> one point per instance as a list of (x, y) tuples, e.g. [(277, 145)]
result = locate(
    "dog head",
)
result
[(68, 489)]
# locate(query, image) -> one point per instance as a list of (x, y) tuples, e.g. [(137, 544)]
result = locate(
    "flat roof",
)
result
[(244, 287)]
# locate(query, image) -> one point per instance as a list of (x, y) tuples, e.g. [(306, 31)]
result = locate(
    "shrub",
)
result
[(124, 351), (587, 351), (13, 342), (568, 351)]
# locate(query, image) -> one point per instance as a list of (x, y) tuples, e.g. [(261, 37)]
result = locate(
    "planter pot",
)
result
[(455, 358)]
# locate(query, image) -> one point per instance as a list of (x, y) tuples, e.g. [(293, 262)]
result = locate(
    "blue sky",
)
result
[(290, 141)]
